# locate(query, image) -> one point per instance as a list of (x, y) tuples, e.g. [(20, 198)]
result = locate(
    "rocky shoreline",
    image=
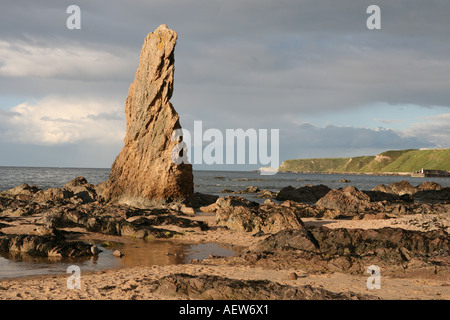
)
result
[(309, 230), (306, 242)]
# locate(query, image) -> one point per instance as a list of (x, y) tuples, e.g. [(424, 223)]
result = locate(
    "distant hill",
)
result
[(387, 162)]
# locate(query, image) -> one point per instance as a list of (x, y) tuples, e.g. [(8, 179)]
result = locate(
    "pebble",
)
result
[(293, 276), (94, 249), (117, 253)]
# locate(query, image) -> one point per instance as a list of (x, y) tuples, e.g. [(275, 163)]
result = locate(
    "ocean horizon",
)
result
[(207, 181)]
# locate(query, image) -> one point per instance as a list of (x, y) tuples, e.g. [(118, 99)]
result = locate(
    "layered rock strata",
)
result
[(144, 171)]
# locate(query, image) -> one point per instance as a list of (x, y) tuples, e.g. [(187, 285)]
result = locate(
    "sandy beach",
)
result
[(135, 282)]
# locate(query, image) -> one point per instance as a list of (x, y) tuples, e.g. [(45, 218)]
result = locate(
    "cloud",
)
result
[(299, 139), (61, 120), (435, 129), (239, 64), (310, 136), (304, 140), (8, 114), (389, 121), (277, 57), (57, 60)]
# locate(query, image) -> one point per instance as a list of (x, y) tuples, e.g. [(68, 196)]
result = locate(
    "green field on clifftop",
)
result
[(390, 161)]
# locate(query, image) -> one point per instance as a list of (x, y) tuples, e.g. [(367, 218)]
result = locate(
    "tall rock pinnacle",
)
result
[(144, 170)]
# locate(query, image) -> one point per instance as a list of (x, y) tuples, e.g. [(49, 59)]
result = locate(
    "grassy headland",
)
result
[(394, 161)]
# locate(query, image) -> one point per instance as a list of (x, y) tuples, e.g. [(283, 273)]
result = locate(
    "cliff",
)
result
[(394, 161)]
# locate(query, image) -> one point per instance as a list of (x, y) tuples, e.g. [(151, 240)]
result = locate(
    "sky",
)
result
[(311, 69)]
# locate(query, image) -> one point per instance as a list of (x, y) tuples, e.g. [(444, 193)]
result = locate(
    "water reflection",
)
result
[(136, 253), (153, 253)]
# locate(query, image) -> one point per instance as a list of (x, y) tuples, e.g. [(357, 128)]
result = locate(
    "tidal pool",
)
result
[(136, 253)]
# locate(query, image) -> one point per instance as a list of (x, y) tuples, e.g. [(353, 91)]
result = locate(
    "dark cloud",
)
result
[(320, 52), (307, 140), (242, 64), (8, 114)]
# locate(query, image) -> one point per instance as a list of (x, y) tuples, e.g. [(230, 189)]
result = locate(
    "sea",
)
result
[(160, 252), (209, 181)]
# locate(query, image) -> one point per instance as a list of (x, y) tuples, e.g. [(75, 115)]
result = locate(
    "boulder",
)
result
[(438, 195), (288, 240), (399, 188), (308, 193), (347, 200), (239, 218), (304, 210), (211, 208), (240, 214), (233, 201), (145, 172), (202, 199), (429, 185), (295, 194), (54, 195), (275, 217), (187, 210), (376, 195), (402, 187), (249, 189), (23, 189), (382, 188), (226, 191), (267, 194), (236, 212), (80, 189)]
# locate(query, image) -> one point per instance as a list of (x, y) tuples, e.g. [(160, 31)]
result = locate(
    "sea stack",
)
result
[(144, 171)]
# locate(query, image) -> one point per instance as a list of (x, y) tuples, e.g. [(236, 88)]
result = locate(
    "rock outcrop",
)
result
[(209, 287), (425, 192), (347, 200), (352, 250), (309, 194), (399, 188), (240, 214), (44, 246), (144, 171), (41, 214)]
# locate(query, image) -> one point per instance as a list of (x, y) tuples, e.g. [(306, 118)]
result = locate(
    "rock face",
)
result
[(144, 170)]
